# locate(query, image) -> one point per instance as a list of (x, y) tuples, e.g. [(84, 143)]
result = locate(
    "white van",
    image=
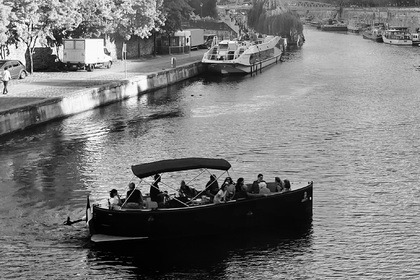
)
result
[(86, 54)]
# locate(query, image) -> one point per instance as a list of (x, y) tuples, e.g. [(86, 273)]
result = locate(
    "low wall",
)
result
[(55, 108), (409, 17)]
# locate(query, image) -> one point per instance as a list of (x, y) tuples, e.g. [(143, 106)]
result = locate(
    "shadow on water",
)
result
[(200, 258), (210, 78)]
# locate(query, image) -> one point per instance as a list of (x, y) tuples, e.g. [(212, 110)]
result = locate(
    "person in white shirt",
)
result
[(263, 188), (6, 78), (221, 195), (114, 201)]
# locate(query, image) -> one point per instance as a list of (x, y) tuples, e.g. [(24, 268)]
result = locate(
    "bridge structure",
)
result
[(309, 4), (314, 8), (302, 5)]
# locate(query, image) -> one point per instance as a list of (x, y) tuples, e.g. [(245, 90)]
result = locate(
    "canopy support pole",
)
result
[(207, 187), (126, 199), (153, 186)]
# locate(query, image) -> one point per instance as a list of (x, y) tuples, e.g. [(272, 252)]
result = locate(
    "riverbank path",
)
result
[(44, 85)]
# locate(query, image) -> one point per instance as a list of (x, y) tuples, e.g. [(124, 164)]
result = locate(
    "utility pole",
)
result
[(201, 6)]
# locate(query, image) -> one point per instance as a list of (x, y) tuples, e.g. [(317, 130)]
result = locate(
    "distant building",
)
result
[(177, 43), (220, 29)]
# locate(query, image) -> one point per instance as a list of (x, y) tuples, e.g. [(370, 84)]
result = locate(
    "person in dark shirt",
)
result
[(287, 187), (187, 191), (255, 188), (255, 185), (240, 189), (134, 199), (279, 184), (155, 193), (212, 187)]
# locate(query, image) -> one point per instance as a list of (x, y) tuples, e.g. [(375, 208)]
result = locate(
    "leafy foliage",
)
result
[(97, 18), (32, 20), (4, 22), (285, 24), (138, 17), (175, 12), (204, 8), (123, 18)]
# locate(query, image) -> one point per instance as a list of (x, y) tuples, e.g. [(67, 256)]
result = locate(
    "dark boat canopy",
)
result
[(172, 165)]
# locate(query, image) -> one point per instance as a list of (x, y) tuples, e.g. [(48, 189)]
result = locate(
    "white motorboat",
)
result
[(244, 57), (397, 36)]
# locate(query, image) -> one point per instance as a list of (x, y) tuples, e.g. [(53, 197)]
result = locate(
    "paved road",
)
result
[(42, 85)]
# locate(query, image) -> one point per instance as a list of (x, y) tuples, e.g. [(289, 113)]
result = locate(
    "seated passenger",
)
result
[(279, 184), (114, 201), (287, 187), (240, 189), (263, 188), (212, 187), (230, 188), (254, 191), (134, 198), (187, 191), (221, 195)]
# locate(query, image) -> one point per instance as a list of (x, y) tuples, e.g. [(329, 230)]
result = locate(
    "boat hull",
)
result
[(334, 28), (236, 68), (406, 42), (277, 210), (376, 38)]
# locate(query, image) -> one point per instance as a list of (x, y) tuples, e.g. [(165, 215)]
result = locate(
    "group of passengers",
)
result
[(231, 191), (134, 198), (227, 191)]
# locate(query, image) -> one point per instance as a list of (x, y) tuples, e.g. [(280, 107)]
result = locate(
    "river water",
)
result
[(341, 111)]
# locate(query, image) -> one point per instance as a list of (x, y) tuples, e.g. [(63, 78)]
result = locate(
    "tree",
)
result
[(119, 18), (204, 8), (98, 18), (286, 24), (4, 22), (175, 12), (34, 20), (138, 17), (254, 13)]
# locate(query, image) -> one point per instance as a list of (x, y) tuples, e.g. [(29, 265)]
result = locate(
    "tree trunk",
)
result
[(139, 46), (154, 44), (31, 60), (30, 51)]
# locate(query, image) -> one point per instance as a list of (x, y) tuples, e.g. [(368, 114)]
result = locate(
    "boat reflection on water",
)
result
[(195, 258), (211, 78)]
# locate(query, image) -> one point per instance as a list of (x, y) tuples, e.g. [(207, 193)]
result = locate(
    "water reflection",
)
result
[(342, 114), (223, 79), (213, 257)]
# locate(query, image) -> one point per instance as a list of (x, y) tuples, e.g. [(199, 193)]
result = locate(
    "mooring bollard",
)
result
[(173, 62)]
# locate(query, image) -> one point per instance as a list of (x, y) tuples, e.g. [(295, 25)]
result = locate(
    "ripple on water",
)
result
[(343, 115)]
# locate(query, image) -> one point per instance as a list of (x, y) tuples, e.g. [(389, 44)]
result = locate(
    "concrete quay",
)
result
[(47, 96)]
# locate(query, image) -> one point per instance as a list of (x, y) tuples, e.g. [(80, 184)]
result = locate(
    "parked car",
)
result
[(16, 68)]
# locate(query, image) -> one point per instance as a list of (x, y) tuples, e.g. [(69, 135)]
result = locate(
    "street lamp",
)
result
[(201, 6)]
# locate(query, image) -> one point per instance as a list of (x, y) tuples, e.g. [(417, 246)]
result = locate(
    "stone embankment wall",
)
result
[(409, 17), (55, 108)]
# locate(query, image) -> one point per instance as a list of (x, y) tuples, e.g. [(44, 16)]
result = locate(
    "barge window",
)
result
[(223, 46)]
